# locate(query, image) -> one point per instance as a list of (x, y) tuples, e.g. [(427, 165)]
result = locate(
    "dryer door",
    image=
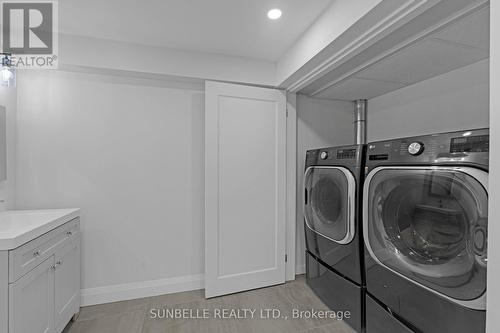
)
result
[(329, 202), (429, 225)]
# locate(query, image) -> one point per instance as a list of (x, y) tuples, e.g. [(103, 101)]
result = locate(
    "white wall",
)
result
[(129, 153), (493, 300), (453, 101), (8, 98), (113, 55), (320, 123)]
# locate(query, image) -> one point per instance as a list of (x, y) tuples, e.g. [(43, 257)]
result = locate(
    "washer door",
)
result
[(329, 202), (429, 225)]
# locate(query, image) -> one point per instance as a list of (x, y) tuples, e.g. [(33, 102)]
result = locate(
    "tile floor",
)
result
[(135, 316)]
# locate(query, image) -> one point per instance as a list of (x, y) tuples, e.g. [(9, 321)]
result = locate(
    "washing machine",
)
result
[(332, 190), (425, 225)]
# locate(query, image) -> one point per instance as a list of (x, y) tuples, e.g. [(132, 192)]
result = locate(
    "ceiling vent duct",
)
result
[(360, 121)]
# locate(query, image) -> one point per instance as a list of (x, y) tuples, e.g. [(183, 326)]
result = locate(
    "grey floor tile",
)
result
[(284, 298), (338, 327), (184, 325), (300, 278), (128, 322), (135, 316), (177, 298), (108, 309)]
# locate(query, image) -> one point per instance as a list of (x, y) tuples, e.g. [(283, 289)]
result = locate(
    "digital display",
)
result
[(459, 140), (472, 144), (346, 153)]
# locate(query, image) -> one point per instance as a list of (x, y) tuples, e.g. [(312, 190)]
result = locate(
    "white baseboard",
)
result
[(300, 269), (128, 291)]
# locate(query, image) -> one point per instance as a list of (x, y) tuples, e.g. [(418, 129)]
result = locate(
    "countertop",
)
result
[(21, 226)]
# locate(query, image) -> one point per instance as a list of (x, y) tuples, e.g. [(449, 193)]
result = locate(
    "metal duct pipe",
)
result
[(360, 121)]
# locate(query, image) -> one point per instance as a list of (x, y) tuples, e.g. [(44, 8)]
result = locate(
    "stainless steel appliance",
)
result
[(332, 190), (425, 224)]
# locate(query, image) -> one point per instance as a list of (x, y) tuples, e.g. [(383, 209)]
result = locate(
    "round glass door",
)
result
[(329, 192), (430, 225)]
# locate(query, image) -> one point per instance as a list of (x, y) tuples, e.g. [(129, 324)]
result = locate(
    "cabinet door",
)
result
[(67, 283), (31, 300)]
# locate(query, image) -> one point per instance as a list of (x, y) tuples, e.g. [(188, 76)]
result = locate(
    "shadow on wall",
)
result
[(320, 123), (457, 100)]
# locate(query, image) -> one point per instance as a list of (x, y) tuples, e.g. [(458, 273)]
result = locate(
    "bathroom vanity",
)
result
[(39, 270)]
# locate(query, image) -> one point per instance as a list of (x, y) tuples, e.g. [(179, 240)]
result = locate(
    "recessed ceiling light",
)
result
[(274, 14)]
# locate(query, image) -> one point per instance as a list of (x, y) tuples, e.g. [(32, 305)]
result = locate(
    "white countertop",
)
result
[(21, 226)]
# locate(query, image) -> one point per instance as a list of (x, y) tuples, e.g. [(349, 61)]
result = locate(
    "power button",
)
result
[(416, 148)]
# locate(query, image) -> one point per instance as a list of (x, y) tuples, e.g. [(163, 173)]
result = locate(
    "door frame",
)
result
[(479, 175), (493, 288), (291, 186)]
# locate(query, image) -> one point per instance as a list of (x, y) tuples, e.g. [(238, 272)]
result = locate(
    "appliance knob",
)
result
[(416, 148), (324, 155)]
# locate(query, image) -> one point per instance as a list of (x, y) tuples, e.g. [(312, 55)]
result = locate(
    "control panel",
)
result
[(347, 155), (453, 147)]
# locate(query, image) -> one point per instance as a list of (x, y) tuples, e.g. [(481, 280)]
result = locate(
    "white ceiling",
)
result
[(458, 45), (228, 27)]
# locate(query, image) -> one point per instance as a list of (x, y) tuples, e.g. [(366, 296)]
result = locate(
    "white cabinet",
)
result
[(31, 300), (43, 281), (67, 284)]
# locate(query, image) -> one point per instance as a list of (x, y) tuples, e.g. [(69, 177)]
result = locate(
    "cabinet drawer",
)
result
[(28, 256)]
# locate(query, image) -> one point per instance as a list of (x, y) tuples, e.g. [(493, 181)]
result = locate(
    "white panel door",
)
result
[(245, 188)]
